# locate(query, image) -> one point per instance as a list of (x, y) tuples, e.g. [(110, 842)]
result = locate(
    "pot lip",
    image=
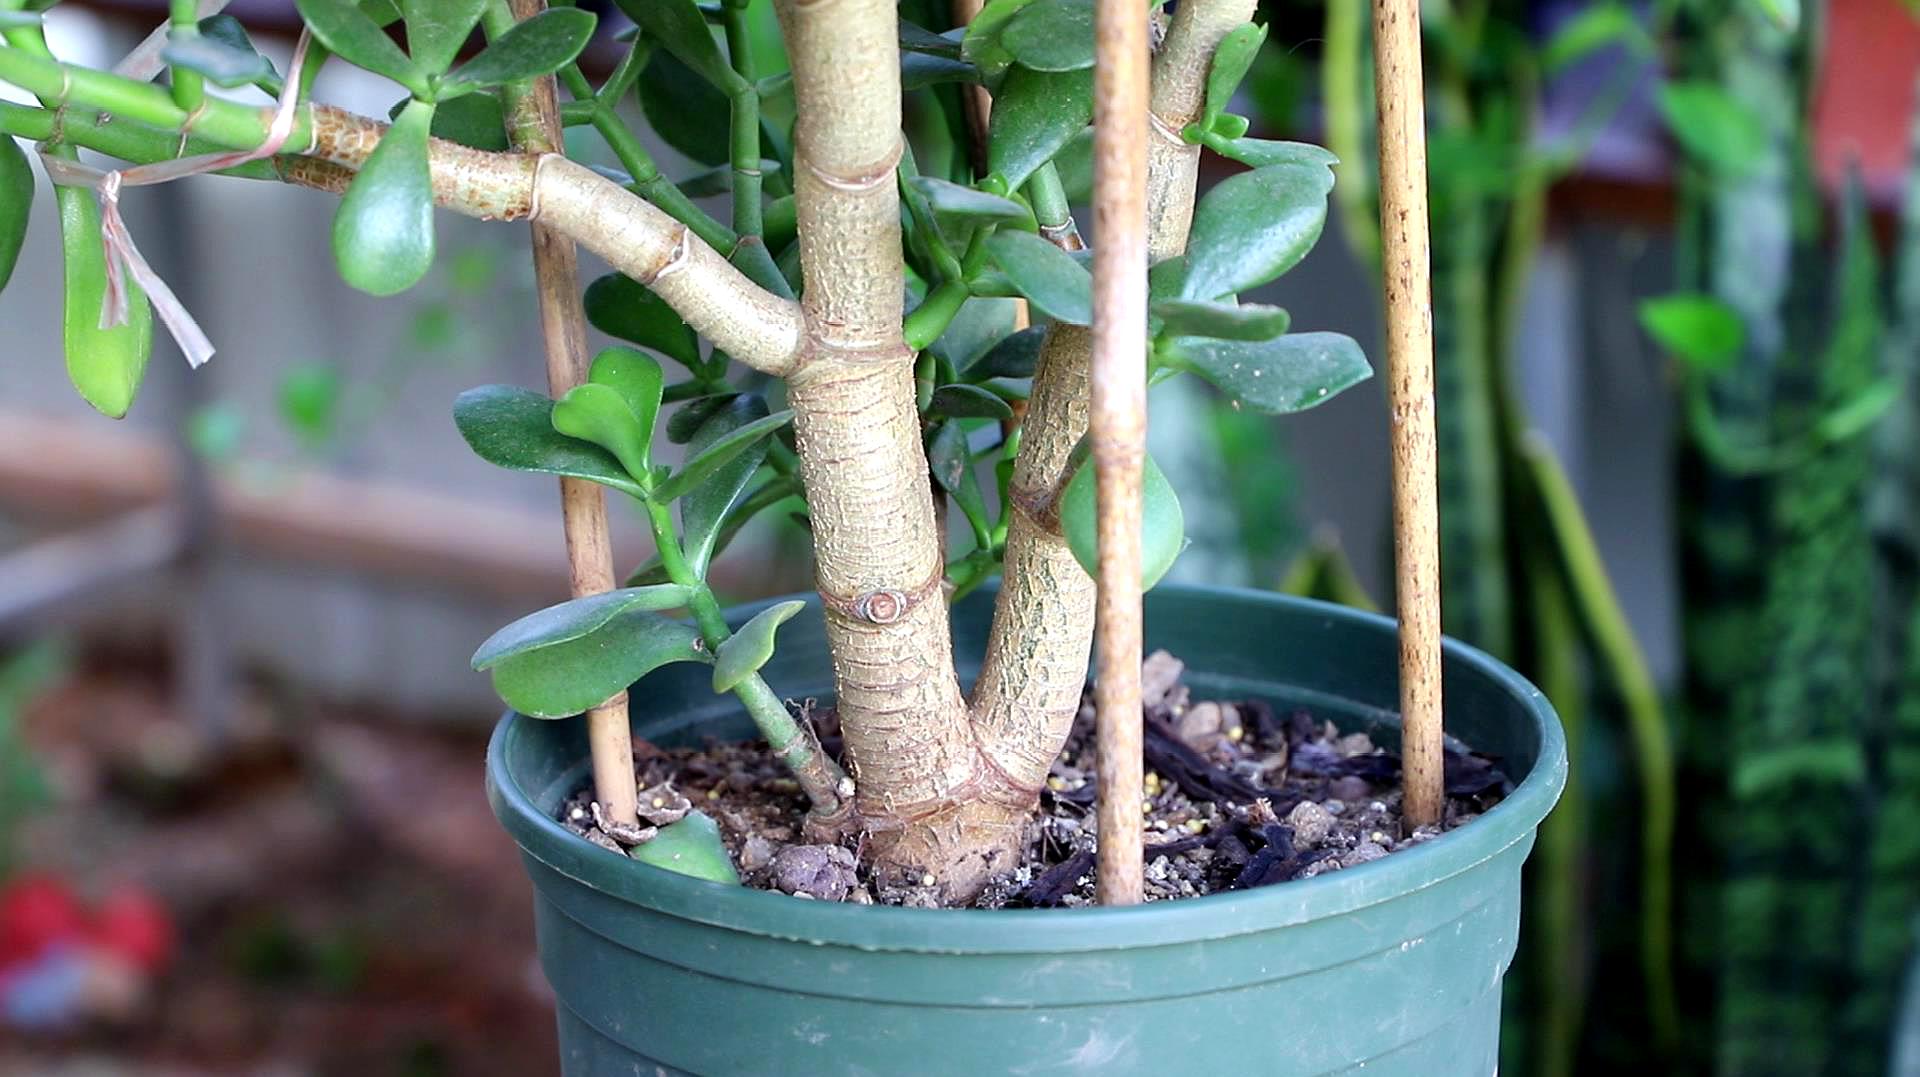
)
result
[(1018, 931)]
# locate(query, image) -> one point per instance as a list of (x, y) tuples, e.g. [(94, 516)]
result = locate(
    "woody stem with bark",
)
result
[(1036, 660)]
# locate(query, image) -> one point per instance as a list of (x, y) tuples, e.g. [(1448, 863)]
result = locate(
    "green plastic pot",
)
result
[(1389, 968)]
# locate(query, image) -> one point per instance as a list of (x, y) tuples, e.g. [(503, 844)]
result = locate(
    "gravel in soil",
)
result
[(1237, 796)]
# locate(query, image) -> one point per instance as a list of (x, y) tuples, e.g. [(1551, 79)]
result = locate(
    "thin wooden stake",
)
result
[(1118, 425), (1405, 253), (535, 128)]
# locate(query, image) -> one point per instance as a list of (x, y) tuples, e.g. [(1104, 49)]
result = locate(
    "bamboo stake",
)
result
[(1118, 424), (535, 128), (1405, 254)]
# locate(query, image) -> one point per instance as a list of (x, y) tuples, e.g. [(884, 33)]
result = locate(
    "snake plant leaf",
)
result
[(350, 34), (954, 202), (1698, 329), (512, 428), (1277, 377), (703, 512), (599, 414), (539, 46), (1051, 35), (1035, 114), (691, 846), (1261, 152), (679, 26), (1015, 356), (436, 29), (620, 306), (223, 61), (699, 466), (1252, 227), (563, 679), (383, 230), (968, 402), (1225, 321), (16, 204), (637, 377), (747, 650), (1231, 61), (1162, 525), (571, 620), (1714, 126), (106, 364), (1049, 277)]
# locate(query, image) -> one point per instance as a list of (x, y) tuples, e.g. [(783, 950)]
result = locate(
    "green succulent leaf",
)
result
[(686, 112), (981, 44), (678, 25), (107, 365), (1279, 376), (919, 69), (683, 424), (747, 650), (223, 62), (953, 202), (1162, 525), (572, 620), (636, 376), (703, 512), (512, 428), (1191, 317), (1696, 328), (476, 119), (968, 402), (1231, 61), (1015, 356), (951, 461), (1596, 27), (916, 38), (711, 458), (566, 678), (1252, 227), (16, 204), (1261, 152), (539, 46), (1049, 277), (383, 230), (350, 34), (691, 846), (598, 413), (620, 306), (1051, 35), (1035, 114), (1712, 125), (436, 29)]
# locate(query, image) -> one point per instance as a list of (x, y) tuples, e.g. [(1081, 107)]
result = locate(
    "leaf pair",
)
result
[(574, 656)]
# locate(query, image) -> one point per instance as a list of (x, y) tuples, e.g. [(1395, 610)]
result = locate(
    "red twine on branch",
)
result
[(124, 258)]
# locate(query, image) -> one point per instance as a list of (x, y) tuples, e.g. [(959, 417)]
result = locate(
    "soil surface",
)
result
[(1237, 796)]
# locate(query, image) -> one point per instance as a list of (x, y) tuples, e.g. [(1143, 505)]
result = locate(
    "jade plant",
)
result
[(854, 333)]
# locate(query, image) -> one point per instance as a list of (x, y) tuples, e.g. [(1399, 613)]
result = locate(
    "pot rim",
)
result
[(1017, 931)]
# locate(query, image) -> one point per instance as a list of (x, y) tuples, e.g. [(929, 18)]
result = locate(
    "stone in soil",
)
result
[(1236, 796)]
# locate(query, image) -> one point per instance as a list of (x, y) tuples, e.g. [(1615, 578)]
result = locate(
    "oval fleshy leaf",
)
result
[(350, 34), (968, 402), (1051, 35), (598, 413), (16, 204), (571, 620), (219, 61), (512, 428), (683, 109), (1247, 321), (679, 26), (1049, 277), (1252, 227), (106, 365), (620, 306), (951, 201), (566, 678), (1278, 376), (637, 377), (703, 512), (1035, 114), (539, 46), (1015, 356), (950, 460), (383, 230), (1698, 329), (1162, 525), (437, 28), (715, 456), (691, 846), (1231, 60), (1261, 152), (747, 650)]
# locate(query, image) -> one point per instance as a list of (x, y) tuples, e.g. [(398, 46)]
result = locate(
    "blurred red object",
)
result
[(135, 926), (37, 912)]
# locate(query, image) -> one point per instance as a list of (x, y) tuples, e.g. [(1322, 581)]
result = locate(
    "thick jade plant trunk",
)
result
[(1395, 965)]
